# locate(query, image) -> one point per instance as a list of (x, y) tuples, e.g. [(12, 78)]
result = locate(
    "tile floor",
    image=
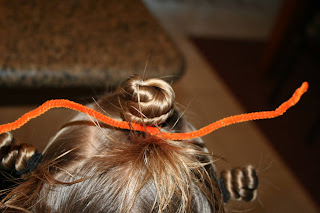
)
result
[(248, 19), (206, 99)]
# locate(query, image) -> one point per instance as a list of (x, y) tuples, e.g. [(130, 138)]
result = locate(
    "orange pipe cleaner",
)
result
[(154, 130)]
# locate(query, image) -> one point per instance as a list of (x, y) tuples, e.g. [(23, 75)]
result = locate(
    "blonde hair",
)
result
[(92, 167)]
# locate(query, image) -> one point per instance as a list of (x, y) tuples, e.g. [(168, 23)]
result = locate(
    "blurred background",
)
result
[(262, 50), (223, 57)]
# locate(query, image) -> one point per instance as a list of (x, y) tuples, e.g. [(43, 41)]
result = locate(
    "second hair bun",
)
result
[(148, 102)]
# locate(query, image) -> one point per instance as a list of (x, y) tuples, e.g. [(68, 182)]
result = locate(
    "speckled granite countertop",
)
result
[(81, 43)]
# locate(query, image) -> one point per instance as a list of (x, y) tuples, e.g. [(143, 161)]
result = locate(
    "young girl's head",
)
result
[(89, 166)]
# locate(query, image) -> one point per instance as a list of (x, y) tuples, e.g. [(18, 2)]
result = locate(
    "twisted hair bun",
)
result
[(239, 184), (12, 155), (148, 102)]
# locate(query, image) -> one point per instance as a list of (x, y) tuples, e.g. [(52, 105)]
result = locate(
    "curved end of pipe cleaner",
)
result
[(152, 130), (300, 91)]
